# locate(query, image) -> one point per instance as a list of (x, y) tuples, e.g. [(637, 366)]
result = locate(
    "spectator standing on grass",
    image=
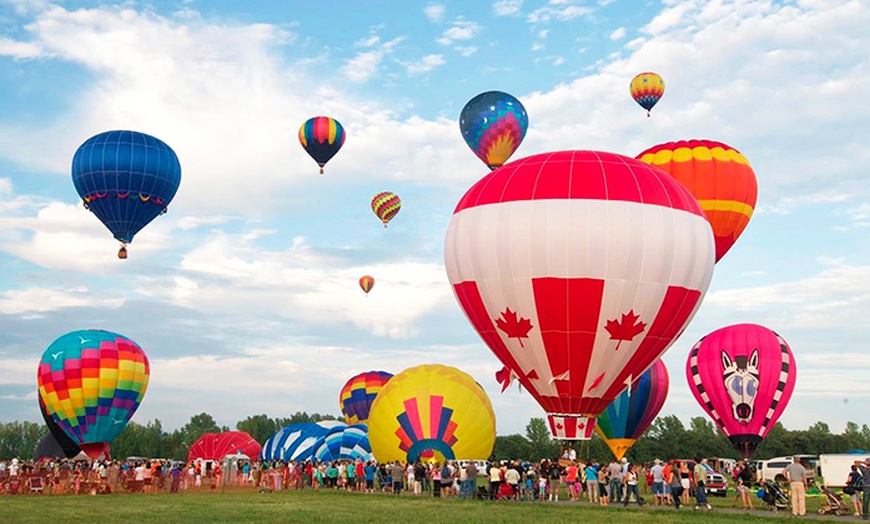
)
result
[(797, 480), (468, 486), (631, 486), (744, 483), (865, 475), (592, 482), (674, 482), (615, 471), (658, 483), (397, 473), (854, 487), (700, 480)]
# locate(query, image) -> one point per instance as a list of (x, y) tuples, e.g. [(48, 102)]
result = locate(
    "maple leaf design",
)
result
[(514, 327), (504, 376), (626, 328)]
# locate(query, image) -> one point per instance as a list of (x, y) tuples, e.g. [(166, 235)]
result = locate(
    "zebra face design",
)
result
[(740, 377)]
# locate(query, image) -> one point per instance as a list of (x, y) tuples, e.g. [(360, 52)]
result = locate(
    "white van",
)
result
[(772, 469)]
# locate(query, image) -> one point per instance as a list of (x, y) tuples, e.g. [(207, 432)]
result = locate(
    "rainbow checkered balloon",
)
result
[(92, 381)]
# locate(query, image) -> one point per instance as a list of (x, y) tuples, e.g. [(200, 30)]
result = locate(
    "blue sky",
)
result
[(244, 295)]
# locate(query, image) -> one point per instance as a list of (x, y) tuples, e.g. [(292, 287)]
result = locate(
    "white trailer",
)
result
[(835, 467)]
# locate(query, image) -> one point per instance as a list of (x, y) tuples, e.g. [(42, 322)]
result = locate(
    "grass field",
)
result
[(332, 506)]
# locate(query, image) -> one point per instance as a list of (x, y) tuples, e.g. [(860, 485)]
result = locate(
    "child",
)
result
[(542, 488)]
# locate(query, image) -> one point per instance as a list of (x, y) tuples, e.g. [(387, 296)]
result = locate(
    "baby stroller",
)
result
[(505, 491), (833, 504), (773, 495)]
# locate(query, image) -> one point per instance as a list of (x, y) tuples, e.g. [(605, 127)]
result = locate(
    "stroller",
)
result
[(833, 504), (773, 495)]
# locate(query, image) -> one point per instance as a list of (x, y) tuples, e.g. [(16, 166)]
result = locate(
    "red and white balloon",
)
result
[(578, 269)]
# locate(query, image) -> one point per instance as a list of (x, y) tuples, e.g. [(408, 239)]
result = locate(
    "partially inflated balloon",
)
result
[(296, 441), (578, 269), (344, 442), (215, 446), (632, 412), (386, 205), (431, 412), (647, 89), (321, 137), (91, 382), (366, 283), (126, 179), (743, 377), (493, 125), (717, 175), (358, 395)]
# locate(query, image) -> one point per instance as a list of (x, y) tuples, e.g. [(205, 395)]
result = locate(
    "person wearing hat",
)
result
[(658, 485), (865, 474)]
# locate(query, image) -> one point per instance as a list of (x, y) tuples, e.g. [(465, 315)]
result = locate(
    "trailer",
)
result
[(835, 467)]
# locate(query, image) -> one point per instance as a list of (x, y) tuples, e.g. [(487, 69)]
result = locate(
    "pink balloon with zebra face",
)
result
[(578, 269), (743, 376)]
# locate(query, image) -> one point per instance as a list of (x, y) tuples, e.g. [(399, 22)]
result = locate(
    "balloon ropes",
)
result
[(647, 89), (432, 413), (743, 377), (493, 125), (386, 205), (126, 179), (600, 263), (632, 412), (321, 137), (719, 176), (91, 383), (358, 395)]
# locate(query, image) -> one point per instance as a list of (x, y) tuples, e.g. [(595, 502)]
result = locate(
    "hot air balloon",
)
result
[(743, 377), (126, 179), (578, 269), (647, 89), (431, 412), (296, 441), (216, 446), (493, 125), (91, 382), (719, 176), (632, 412), (57, 438), (386, 205), (358, 395), (344, 443), (321, 137), (366, 282)]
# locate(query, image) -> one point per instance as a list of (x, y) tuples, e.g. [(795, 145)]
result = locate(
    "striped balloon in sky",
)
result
[(92, 381), (647, 89), (386, 205), (321, 137), (717, 175), (578, 269), (493, 125), (358, 395), (632, 412)]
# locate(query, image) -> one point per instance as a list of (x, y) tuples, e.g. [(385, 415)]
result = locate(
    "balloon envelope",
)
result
[(386, 205), (431, 412), (632, 412), (366, 283), (92, 381), (647, 89), (57, 438), (215, 446), (717, 175), (578, 269), (344, 442), (743, 377), (493, 125), (126, 179), (358, 395), (321, 137), (296, 441)]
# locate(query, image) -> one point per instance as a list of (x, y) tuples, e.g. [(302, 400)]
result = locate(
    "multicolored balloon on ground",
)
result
[(359, 393), (297, 441), (719, 176), (386, 205), (743, 377), (216, 446), (493, 125), (321, 137), (126, 179), (366, 283), (92, 381), (344, 442), (578, 269), (632, 412), (647, 89), (431, 412)]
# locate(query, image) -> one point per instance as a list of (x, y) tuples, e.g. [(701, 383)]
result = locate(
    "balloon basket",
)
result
[(571, 427), (122, 253)]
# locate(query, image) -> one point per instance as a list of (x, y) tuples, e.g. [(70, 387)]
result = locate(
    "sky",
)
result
[(244, 295)]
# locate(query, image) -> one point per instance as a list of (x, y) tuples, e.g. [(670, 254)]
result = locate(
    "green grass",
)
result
[(332, 506)]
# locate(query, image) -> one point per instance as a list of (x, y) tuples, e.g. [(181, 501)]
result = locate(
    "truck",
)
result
[(834, 468)]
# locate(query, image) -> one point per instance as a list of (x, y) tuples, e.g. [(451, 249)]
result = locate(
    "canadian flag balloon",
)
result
[(578, 269)]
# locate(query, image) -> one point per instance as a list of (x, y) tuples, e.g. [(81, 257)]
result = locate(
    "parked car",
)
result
[(716, 484)]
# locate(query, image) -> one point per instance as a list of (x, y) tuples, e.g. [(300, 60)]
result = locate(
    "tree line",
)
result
[(666, 438)]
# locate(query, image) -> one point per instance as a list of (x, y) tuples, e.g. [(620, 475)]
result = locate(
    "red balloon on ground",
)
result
[(215, 446)]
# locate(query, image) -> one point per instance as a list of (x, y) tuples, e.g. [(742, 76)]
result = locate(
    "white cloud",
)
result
[(558, 10), (543, 33), (435, 12), (460, 30), (507, 7), (20, 50), (466, 50), (426, 64), (618, 34), (41, 300), (363, 67)]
